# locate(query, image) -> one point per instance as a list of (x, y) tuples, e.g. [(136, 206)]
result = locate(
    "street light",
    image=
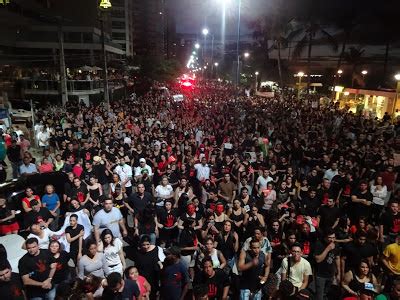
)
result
[(256, 73), (104, 6), (197, 45), (246, 54), (300, 75), (205, 31), (364, 72)]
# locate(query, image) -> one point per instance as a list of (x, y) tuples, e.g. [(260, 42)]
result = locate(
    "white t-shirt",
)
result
[(109, 220), (263, 182), (124, 172), (163, 191), (297, 271), (111, 253), (43, 138), (45, 241)]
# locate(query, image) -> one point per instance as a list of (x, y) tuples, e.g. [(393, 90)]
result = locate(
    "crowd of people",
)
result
[(215, 197)]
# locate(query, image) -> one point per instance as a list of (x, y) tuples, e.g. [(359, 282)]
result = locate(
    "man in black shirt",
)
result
[(327, 260), (361, 202), (311, 203), (74, 235), (390, 223), (10, 283), (328, 215), (216, 280), (37, 269), (101, 173), (138, 201), (355, 251), (88, 172), (38, 215), (79, 192), (120, 289)]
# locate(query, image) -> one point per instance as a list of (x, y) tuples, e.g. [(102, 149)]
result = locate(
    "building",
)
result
[(148, 27), (122, 25)]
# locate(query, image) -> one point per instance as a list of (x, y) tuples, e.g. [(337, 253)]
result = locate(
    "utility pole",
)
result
[(63, 75), (106, 95)]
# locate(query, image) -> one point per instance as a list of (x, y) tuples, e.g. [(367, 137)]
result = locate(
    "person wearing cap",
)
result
[(142, 169), (174, 276)]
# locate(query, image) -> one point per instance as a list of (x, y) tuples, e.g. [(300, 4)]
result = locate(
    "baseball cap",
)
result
[(142, 160)]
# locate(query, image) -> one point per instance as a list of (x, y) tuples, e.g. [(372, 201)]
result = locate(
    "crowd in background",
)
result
[(215, 197)]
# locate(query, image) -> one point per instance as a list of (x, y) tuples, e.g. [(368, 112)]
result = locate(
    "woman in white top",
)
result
[(43, 236), (379, 193), (111, 247), (163, 192)]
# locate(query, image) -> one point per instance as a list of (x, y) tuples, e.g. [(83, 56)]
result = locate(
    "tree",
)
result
[(354, 57), (308, 31)]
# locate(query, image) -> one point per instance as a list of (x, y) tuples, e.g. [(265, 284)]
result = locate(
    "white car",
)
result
[(13, 243)]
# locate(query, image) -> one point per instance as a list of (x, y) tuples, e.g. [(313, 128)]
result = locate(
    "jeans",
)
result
[(247, 295), (50, 295), (15, 169), (322, 286)]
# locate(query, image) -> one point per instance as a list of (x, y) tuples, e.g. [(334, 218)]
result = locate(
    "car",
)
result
[(14, 190), (13, 245)]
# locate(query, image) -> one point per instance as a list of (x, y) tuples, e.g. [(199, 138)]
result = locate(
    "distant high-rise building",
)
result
[(122, 25), (148, 27)]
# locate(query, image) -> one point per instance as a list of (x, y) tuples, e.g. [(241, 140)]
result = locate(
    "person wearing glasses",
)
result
[(295, 268)]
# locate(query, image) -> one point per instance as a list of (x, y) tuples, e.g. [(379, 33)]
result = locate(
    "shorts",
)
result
[(4, 229)]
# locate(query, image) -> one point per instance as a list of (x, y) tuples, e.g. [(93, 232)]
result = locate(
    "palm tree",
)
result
[(354, 57), (308, 31)]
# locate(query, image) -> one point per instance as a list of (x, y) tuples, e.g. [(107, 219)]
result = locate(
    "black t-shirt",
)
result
[(79, 193), (74, 246), (35, 217), (168, 219), (61, 273), (187, 239), (216, 284), (391, 223), (325, 268), (139, 203), (130, 291), (337, 183), (100, 173), (173, 278), (86, 175), (354, 253), (329, 215), (12, 289), (310, 206), (361, 209), (38, 269)]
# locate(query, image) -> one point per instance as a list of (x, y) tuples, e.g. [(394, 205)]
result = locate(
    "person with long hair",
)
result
[(167, 223), (132, 273), (146, 224), (26, 201), (148, 259), (61, 258), (114, 259), (8, 223), (92, 262), (354, 280), (228, 243)]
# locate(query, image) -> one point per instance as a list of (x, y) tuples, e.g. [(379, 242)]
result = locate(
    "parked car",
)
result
[(14, 190)]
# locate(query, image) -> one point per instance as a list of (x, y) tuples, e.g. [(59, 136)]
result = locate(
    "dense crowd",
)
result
[(215, 197)]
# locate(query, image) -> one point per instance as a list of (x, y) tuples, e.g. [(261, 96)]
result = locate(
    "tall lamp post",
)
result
[(300, 76), (397, 77), (256, 73), (216, 69), (205, 33), (104, 6)]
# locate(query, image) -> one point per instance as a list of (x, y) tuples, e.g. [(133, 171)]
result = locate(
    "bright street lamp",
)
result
[(364, 72), (246, 54), (300, 75), (216, 64), (205, 31), (397, 77), (197, 45)]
